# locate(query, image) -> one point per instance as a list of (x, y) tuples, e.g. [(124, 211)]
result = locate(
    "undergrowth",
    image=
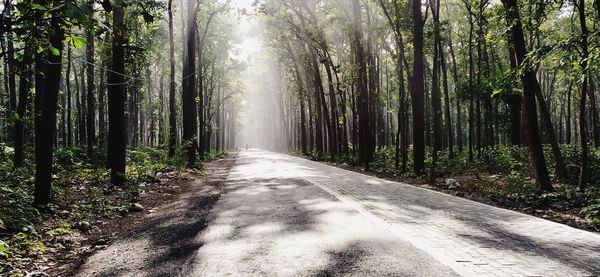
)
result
[(509, 176), (80, 189)]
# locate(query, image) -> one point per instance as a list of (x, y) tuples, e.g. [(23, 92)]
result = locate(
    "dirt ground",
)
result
[(73, 250)]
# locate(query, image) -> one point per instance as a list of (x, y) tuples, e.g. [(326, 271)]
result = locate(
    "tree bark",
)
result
[(559, 163), (24, 87), (189, 85), (583, 168), (530, 85), (172, 108), (69, 100), (47, 104), (91, 105), (418, 89), (117, 139), (364, 128)]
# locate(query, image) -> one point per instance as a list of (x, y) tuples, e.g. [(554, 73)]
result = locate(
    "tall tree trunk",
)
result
[(365, 155), (559, 163), (459, 130), (418, 89), (530, 85), (47, 100), (69, 100), (172, 108), (300, 84), (594, 108), (400, 137), (91, 107), (84, 109), (334, 113), (161, 117), (568, 117), (101, 115), (515, 102), (447, 103), (583, 169), (471, 85), (117, 138), (189, 85), (24, 87), (78, 106), (435, 84), (11, 71), (320, 139)]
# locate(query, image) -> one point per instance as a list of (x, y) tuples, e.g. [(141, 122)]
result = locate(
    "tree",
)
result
[(583, 64), (24, 87), (189, 85), (91, 106), (530, 85), (365, 154), (47, 99), (117, 141), (172, 108), (417, 89)]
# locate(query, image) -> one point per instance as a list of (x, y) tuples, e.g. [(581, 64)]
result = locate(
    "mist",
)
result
[(264, 93)]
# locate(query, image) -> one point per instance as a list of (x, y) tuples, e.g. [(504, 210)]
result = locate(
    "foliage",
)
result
[(80, 189), (504, 173)]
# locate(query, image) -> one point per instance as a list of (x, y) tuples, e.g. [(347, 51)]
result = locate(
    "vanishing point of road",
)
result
[(280, 215)]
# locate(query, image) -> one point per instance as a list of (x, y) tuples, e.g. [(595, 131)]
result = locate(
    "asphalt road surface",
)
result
[(279, 215)]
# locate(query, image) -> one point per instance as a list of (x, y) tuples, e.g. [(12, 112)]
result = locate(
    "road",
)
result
[(280, 215)]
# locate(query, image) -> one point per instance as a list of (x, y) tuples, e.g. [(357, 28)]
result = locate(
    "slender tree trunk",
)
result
[(172, 108), (459, 130), (11, 71), (101, 115), (189, 85), (303, 144), (568, 116), (365, 155), (530, 85), (583, 169), (418, 89), (449, 128), (69, 101), (83, 106), (594, 108), (470, 89), (515, 103), (47, 100), (334, 113), (89, 54), (24, 87), (559, 163), (435, 84), (78, 104), (117, 139)]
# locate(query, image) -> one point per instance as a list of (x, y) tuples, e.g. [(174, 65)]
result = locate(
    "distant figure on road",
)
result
[(246, 146)]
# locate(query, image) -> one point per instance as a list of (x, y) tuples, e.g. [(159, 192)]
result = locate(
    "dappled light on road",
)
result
[(290, 216)]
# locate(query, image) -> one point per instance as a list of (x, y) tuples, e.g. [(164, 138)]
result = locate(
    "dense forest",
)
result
[(441, 79), (413, 88)]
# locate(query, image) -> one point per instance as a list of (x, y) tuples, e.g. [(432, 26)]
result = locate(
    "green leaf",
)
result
[(60, 231), (2, 224), (40, 49), (79, 42), (37, 6), (54, 51), (75, 12), (3, 249)]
